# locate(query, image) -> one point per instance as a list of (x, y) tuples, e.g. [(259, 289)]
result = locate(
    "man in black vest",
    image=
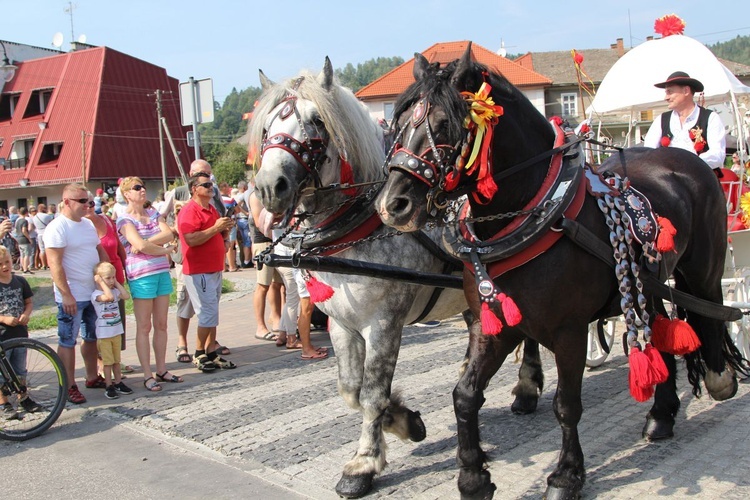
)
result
[(688, 126)]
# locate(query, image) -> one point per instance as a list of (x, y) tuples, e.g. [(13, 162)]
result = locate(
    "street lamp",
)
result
[(7, 70)]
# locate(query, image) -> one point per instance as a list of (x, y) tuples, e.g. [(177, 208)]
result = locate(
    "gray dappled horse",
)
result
[(309, 133)]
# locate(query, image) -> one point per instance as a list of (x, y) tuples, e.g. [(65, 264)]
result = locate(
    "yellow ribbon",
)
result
[(483, 112)]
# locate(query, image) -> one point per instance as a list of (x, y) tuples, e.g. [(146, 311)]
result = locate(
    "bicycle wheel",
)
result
[(46, 385)]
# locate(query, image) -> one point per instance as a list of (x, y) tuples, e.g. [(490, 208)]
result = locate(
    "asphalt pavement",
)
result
[(276, 428)]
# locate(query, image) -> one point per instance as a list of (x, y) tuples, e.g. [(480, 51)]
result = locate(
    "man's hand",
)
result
[(5, 227), (224, 224), (10, 320), (69, 305), (23, 319)]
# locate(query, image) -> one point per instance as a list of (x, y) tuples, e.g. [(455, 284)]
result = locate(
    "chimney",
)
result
[(620, 47)]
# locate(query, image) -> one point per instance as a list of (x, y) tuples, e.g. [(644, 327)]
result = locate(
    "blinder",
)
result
[(310, 153)]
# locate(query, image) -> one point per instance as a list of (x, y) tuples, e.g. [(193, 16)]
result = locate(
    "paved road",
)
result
[(275, 428)]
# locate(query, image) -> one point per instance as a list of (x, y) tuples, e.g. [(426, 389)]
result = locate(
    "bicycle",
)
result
[(45, 383)]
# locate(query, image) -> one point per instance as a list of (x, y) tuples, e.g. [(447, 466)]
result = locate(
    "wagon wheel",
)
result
[(739, 330), (601, 339)]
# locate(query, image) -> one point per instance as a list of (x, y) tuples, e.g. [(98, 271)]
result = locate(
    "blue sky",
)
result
[(229, 40)]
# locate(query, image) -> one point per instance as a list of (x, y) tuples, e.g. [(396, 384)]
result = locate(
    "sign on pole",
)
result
[(200, 96)]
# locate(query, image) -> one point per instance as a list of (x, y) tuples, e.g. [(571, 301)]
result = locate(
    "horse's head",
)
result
[(305, 133), (444, 138)]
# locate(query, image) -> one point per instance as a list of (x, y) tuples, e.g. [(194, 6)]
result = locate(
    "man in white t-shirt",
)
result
[(73, 249)]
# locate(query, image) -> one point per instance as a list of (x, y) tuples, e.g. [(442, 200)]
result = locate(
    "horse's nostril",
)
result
[(282, 186), (398, 205)]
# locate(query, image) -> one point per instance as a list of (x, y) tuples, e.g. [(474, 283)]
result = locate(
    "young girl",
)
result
[(109, 328)]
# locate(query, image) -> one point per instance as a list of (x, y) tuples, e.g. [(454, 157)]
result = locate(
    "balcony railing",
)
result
[(13, 164)]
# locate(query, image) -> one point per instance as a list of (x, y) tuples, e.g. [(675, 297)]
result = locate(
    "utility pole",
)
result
[(161, 142), (196, 137)]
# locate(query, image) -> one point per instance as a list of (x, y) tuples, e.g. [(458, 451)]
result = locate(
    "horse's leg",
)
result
[(374, 399), (569, 476), (660, 419), (484, 357), (530, 379), (350, 359)]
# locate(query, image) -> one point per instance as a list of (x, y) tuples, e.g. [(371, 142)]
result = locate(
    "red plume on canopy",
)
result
[(669, 25)]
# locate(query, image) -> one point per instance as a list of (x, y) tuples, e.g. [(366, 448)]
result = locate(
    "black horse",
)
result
[(565, 287)]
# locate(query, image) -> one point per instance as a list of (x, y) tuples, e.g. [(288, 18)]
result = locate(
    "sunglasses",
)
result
[(137, 187), (82, 201), (206, 185)]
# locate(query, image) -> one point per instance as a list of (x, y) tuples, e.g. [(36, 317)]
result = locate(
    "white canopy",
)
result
[(629, 84)]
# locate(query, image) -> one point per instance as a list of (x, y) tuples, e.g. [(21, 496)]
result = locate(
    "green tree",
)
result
[(366, 72), (229, 166), (735, 50)]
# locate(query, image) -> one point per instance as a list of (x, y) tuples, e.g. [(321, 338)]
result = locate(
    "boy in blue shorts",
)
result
[(15, 310), (109, 328)]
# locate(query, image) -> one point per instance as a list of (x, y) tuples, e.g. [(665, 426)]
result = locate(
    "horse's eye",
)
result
[(317, 121)]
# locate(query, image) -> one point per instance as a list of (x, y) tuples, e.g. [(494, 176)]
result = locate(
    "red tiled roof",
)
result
[(107, 98), (397, 80)]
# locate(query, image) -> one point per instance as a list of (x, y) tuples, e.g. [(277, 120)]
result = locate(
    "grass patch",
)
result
[(46, 317)]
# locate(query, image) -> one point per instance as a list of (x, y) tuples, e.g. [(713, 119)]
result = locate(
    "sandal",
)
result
[(281, 339), (204, 364), (126, 368), (182, 355), (224, 364), (162, 377), (222, 350), (293, 342), (152, 387), (269, 335), (317, 355)]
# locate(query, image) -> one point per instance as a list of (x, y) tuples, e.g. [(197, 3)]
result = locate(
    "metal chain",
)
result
[(343, 246)]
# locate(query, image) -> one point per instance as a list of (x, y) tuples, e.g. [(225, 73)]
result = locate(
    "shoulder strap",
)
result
[(703, 124)]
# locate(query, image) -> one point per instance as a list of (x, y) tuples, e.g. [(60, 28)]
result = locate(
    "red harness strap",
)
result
[(362, 231)]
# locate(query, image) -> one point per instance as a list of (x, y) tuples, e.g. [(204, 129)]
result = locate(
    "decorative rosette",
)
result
[(745, 206), (669, 25), (665, 141), (696, 135)]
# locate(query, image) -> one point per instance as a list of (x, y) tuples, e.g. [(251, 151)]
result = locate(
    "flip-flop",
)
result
[(317, 355), (268, 336)]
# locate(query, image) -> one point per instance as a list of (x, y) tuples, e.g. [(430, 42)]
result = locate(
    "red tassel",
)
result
[(487, 187), (347, 177), (640, 394), (510, 310), (639, 377), (659, 372), (491, 325), (667, 232), (682, 337), (660, 337), (319, 291)]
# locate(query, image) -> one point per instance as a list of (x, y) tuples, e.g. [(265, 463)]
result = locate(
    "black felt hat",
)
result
[(681, 78)]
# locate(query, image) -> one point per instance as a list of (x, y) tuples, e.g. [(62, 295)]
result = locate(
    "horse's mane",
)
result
[(351, 129), (436, 86)]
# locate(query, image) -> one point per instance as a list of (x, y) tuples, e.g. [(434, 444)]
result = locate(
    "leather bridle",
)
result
[(311, 152)]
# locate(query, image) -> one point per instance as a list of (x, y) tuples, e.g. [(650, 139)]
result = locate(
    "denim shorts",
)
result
[(68, 326), (152, 286), (243, 232), (17, 358)]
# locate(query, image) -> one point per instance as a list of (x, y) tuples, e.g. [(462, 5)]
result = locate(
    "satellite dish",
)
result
[(82, 39), (57, 40), (502, 52)]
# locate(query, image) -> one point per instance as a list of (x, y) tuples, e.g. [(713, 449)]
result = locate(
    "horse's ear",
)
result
[(421, 65), (463, 68), (325, 79), (265, 83)]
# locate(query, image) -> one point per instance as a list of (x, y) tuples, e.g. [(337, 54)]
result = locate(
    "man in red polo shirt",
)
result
[(202, 234)]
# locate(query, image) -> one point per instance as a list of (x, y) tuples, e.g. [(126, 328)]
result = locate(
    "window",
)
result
[(22, 202), (8, 105), (569, 104), (19, 154), (50, 152), (388, 111), (4, 205), (647, 116), (41, 200), (38, 102)]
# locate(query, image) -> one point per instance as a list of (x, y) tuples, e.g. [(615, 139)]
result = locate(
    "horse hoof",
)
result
[(486, 493), (417, 430), (656, 429), (555, 493), (523, 405), (354, 486)]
